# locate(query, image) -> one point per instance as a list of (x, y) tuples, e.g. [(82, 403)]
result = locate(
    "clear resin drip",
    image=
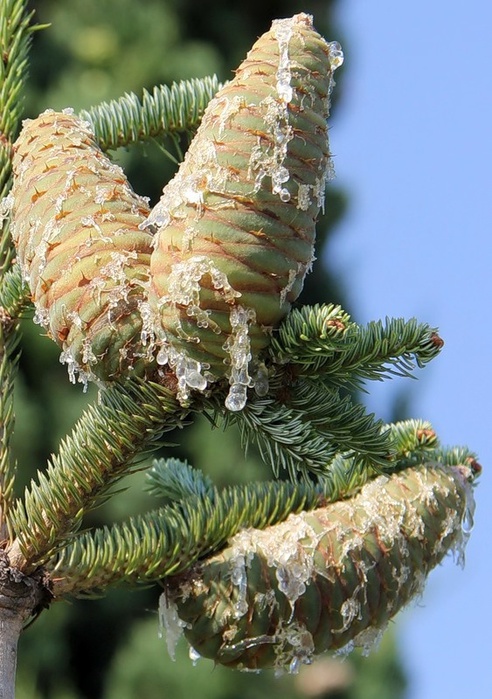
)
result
[(170, 625), (335, 54), (269, 160), (238, 347), (283, 33)]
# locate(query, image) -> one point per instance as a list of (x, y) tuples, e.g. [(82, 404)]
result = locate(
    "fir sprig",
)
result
[(15, 39), (285, 440), (303, 432), (174, 479), (166, 111), (199, 521), (322, 341), (309, 414), (345, 423), (311, 332), (129, 419), (201, 518), (167, 541), (416, 441)]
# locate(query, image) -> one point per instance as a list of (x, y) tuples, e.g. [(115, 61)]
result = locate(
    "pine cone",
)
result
[(326, 579), (75, 225), (236, 226)]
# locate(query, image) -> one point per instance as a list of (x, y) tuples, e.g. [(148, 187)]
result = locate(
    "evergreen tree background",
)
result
[(96, 50)]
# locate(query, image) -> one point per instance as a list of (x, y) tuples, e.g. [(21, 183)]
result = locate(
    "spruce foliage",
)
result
[(320, 444)]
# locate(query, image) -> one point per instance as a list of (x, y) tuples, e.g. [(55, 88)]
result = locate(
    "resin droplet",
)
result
[(336, 55), (468, 522), (239, 578), (194, 655), (260, 379), (236, 398), (162, 356), (195, 380)]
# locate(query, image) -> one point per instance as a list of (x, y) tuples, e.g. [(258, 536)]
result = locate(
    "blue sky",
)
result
[(413, 147)]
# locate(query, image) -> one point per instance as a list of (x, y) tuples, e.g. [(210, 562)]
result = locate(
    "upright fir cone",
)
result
[(326, 579), (236, 226), (75, 225)]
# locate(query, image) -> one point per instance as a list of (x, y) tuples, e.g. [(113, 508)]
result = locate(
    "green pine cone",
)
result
[(236, 226), (75, 225), (326, 579)]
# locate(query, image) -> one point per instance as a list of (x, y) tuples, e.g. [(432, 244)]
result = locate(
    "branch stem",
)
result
[(10, 629), (20, 598)]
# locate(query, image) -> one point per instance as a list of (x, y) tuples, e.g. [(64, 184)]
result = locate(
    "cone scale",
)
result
[(75, 225), (326, 579), (235, 228)]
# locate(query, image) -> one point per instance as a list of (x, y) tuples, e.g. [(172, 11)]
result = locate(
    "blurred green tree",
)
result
[(96, 50)]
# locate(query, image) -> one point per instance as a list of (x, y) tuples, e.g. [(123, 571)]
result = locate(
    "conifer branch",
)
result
[(302, 433), (311, 332), (200, 519), (412, 442), (412, 437), (285, 440), (130, 418), (163, 542), (415, 442), (174, 479), (319, 356), (15, 39), (322, 341), (163, 112), (309, 415), (9, 336), (344, 423)]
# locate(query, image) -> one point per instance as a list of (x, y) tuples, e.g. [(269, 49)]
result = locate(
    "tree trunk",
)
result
[(21, 597)]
